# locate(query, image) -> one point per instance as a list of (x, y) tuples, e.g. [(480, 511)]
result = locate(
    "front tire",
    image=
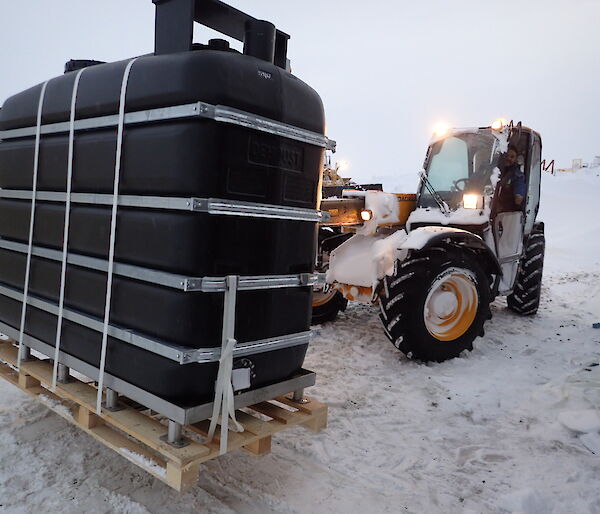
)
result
[(435, 304), (525, 298)]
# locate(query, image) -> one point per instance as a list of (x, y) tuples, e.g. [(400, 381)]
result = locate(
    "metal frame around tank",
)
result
[(229, 285), (213, 206)]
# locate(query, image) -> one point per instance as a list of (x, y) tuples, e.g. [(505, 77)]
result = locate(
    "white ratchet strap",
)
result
[(63, 272), (36, 160), (113, 227), (223, 405)]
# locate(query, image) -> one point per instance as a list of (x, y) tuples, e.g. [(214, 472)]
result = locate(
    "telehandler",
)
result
[(434, 261)]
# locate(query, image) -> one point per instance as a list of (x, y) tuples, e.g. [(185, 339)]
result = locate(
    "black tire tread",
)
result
[(329, 311), (407, 287), (525, 298)]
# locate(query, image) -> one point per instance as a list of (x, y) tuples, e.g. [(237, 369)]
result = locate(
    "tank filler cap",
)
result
[(218, 44)]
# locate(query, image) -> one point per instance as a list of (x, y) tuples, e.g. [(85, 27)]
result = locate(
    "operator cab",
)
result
[(467, 184), (459, 163)]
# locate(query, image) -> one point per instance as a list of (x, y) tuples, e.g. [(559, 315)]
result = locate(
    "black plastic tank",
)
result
[(184, 157)]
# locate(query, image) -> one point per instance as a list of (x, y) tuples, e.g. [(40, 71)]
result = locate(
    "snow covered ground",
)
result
[(483, 433)]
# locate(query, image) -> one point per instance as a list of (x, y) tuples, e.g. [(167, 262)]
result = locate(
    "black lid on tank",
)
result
[(175, 20), (218, 44)]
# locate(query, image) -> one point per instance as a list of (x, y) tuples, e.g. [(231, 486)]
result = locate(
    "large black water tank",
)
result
[(192, 157)]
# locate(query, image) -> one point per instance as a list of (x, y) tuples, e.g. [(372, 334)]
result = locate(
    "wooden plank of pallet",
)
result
[(254, 425), (317, 410), (261, 446), (87, 419), (284, 416), (27, 381), (256, 437), (182, 478), (257, 445)]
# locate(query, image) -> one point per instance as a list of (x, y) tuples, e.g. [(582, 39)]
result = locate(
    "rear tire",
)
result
[(435, 304), (525, 298), (326, 306)]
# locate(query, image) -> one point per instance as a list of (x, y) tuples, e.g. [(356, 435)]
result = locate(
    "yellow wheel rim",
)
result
[(321, 298), (451, 304)]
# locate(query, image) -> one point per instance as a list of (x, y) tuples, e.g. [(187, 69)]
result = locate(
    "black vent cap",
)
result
[(77, 64)]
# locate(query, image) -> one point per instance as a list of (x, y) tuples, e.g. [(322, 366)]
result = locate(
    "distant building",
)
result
[(576, 166)]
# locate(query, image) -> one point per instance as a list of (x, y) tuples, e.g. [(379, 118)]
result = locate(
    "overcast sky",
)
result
[(387, 71)]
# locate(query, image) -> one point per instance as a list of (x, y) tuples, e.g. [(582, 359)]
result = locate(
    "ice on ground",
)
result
[(145, 462), (525, 501), (591, 441), (583, 421), (56, 405)]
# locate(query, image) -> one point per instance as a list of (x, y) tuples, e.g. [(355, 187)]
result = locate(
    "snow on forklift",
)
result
[(434, 261)]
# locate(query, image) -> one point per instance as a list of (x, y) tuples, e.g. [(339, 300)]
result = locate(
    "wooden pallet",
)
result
[(136, 435)]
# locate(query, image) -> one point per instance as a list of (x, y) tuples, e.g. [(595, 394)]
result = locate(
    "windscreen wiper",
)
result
[(436, 196)]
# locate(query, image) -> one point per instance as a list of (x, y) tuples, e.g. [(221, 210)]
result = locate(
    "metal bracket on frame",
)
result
[(252, 283)]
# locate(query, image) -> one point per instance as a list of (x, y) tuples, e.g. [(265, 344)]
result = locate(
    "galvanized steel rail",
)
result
[(218, 113)]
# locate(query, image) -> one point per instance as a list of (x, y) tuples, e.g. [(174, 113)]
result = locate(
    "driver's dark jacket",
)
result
[(512, 182)]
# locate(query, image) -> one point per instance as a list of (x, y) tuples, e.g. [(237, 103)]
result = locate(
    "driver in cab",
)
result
[(512, 182)]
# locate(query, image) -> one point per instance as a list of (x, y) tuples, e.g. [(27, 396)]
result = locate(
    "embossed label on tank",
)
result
[(283, 155)]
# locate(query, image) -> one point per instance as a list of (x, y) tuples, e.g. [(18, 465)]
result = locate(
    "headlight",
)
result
[(471, 201), (499, 124), (366, 214), (343, 165), (440, 129)]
